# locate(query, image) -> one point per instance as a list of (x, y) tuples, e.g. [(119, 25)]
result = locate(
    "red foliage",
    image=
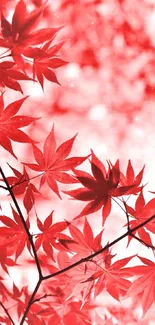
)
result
[(10, 124), (74, 265), (21, 185), (9, 76), (17, 37), (53, 163), (100, 189), (13, 234)]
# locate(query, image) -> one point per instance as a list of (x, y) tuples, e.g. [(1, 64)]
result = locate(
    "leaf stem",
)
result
[(25, 180)]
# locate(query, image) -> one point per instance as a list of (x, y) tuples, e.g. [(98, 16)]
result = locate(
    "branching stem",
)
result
[(42, 278), (24, 223), (86, 259)]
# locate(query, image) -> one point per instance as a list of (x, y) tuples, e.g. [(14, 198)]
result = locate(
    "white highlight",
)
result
[(97, 112), (35, 90), (72, 71)]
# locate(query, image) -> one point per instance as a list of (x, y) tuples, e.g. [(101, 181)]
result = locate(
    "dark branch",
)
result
[(83, 260), (30, 302), (3, 187), (24, 223), (7, 313), (42, 297), (86, 259), (5, 56)]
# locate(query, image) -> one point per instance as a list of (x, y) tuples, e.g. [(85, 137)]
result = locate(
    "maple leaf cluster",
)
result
[(21, 38), (55, 241)]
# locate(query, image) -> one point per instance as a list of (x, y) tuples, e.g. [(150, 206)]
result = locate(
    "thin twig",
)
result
[(30, 302), (42, 297), (142, 241), (4, 53), (85, 259), (24, 223), (5, 56), (118, 204), (7, 313), (3, 187)]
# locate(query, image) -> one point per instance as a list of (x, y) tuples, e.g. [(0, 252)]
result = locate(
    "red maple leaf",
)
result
[(113, 278), (4, 292), (9, 77), (75, 282), (78, 314), (13, 234), (44, 61), (140, 214), (50, 235), (73, 313), (21, 296), (21, 185), (98, 189), (145, 284), (83, 243), (53, 163), (10, 124), (131, 179), (5, 260), (20, 32)]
